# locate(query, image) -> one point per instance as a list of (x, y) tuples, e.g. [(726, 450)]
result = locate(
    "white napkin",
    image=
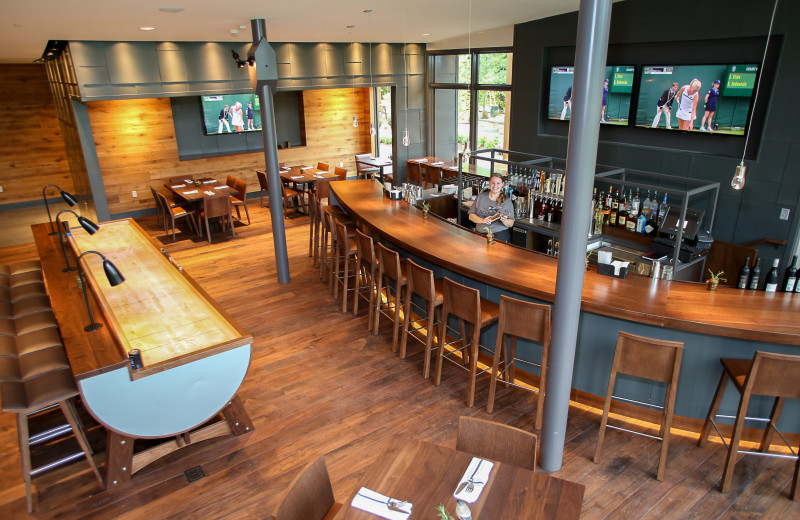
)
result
[(437, 163), (178, 186), (422, 160), (618, 264), (212, 181), (319, 175), (284, 170), (188, 180), (306, 167), (297, 176), (481, 469), (221, 187), (189, 192), (209, 193), (377, 504)]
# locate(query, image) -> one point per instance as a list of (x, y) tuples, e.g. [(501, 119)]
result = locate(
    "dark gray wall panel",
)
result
[(129, 62)]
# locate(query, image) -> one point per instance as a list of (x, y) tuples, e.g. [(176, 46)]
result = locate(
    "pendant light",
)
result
[(355, 99), (467, 151), (372, 131), (406, 138), (737, 183)]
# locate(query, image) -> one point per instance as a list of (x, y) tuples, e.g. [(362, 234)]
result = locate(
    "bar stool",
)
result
[(26, 324), (22, 292), (327, 238), (390, 269), (23, 307), (520, 319), (647, 358), (774, 375), (466, 304), (422, 283), (34, 396), (346, 249), (318, 200), (366, 272), (20, 268), (18, 280)]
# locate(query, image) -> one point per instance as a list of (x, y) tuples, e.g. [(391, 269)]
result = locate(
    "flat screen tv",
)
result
[(616, 91), (724, 97), (231, 113)]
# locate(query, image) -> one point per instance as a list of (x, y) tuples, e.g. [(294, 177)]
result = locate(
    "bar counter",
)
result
[(726, 323)]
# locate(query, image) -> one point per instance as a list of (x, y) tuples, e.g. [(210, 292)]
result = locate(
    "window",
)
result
[(466, 111), (384, 128)]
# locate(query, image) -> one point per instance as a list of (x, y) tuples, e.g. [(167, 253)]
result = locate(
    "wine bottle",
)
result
[(790, 277), (744, 274), (755, 275), (772, 276)]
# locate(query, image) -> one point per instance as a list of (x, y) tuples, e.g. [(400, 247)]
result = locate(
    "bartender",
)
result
[(493, 210)]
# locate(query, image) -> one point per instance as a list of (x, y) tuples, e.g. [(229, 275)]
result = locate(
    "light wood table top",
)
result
[(190, 192), (299, 175), (729, 312), (427, 475)]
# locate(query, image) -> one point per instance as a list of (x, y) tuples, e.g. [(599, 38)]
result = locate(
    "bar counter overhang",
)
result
[(726, 323)]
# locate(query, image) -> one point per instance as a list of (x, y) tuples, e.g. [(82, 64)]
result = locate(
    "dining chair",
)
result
[(289, 194), (414, 173), (363, 169), (393, 276), (529, 321), (309, 496), (766, 374), (217, 206), (422, 283), (173, 213), (159, 208), (230, 181), (341, 172), (264, 186), (322, 166), (239, 199), (496, 441), (366, 272)]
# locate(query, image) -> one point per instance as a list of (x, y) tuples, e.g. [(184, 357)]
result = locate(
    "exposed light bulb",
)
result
[(372, 130), (406, 138), (737, 183), (355, 121)]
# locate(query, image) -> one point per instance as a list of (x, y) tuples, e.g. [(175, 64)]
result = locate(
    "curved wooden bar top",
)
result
[(747, 315)]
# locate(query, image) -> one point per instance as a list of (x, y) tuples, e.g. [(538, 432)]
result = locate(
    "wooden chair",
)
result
[(264, 186), (346, 249), (318, 200), (496, 441), (366, 272), (289, 194), (239, 199), (390, 269), (647, 358), (159, 207), (774, 375), (230, 181), (322, 166), (309, 496), (173, 213), (341, 172), (422, 283), (362, 170), (413, 173), (466, 304), (17, 268), (217, 206), (520, 319), (327, 235)]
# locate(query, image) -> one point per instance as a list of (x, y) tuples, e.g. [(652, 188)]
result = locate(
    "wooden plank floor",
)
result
[(319, 383)]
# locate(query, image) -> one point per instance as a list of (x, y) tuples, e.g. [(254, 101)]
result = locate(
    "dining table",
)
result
[(375, 162), (190, 192), (426, 475), (305, 175), (432, 168)]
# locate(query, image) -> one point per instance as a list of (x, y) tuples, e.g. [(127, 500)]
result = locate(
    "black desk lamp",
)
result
[(114, 278), (85, 223), (69, 199)]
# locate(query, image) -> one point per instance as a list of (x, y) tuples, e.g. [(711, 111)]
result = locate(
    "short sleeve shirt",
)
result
[(485, 207)]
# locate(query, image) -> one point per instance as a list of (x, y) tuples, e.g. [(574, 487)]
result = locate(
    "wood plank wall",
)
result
[(136, 147), (32, 151)]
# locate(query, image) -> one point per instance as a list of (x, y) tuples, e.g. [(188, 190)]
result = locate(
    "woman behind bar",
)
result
[(493, 210)]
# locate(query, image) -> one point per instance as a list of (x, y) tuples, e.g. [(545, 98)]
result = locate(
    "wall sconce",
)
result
[(69, 199), (114, 277), (85, 223)]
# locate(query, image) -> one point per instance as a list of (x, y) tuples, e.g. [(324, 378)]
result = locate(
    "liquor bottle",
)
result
[(612, 217), (610, 197), (654, 206), (744, 274), (622, 216), (640, 223), (755, 275), (630, 223), (772, 276), (662, 211), (790, 277), (650, 227), (635, 204), (646, 206), (598, 220)]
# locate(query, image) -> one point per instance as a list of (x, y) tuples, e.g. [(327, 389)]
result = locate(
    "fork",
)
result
[(469, 486)]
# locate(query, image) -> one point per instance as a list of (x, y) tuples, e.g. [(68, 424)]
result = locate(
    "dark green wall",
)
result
[(701, 33)]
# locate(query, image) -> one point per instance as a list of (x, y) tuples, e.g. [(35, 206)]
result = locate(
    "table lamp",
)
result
[(85, 223), (114, 278), (69, 199)]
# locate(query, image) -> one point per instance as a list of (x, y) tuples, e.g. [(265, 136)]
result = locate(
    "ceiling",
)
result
[(27, 25)]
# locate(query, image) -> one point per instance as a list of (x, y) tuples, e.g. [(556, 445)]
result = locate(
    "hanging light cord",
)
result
[(761, 74), (405, 65)]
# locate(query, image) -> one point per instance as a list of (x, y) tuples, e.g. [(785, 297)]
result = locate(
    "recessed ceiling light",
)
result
[(234, 32), (146, 28), (425, 34), (170, 9), (243, 27)]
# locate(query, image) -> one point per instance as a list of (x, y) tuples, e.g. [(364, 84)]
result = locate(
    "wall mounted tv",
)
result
[(616, 94), (231, 113), (724, 98)]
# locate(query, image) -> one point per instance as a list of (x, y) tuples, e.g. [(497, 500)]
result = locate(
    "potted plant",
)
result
[(489, 235), (713, 281), (443, 514), (425, 209)]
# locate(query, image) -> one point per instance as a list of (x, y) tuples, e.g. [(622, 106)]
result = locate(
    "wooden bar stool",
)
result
[(390, 269), (20, 268), (346, 249), (520, 319), (37, 395), (366, 273), (27, 324), (466, 304), (22, 292), (318, 199), (774, 375), (422, 283), (654, 359)]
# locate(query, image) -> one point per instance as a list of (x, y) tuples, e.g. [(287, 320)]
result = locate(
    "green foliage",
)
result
[(487, 142), (443, 514)]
